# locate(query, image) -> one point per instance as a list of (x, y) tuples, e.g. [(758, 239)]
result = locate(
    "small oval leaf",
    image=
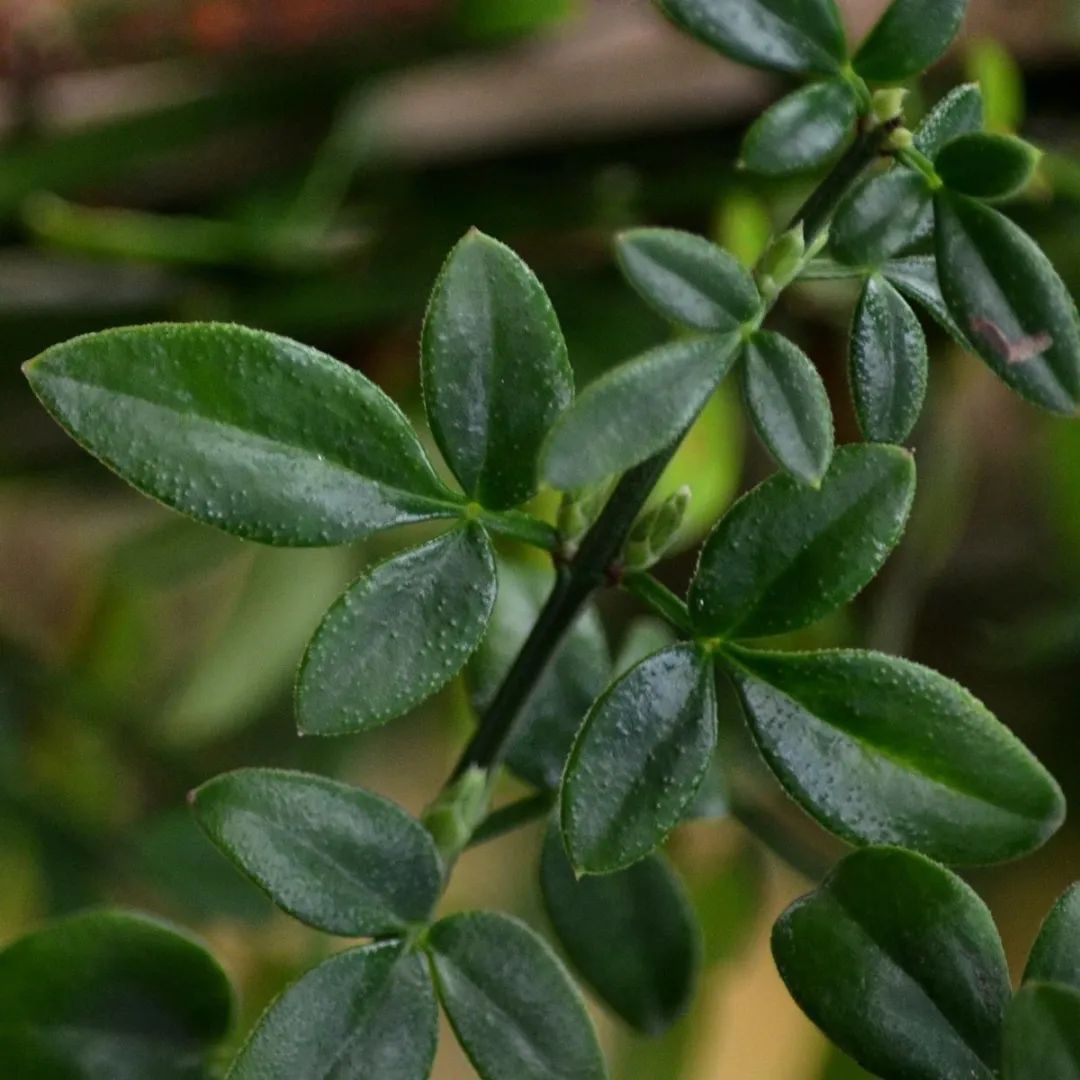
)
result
[(638, 760), (959, 112), (883, 751), (789, 406), (916, 277), (987, 165), (1042, 1033), (899, 963), (365, 1012), (512, 1005), (1055, 956), (397, 634), (880, 216), (335, 857), (495, 370), (247, 431), (909, 37)]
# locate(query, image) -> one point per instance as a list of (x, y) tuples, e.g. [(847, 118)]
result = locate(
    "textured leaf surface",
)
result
[(910, 36), (888, 363), (883, 751), (511, 1003), (785, 555), (688, 279), (880, 216), (638, 760), (1055, 956), (110, 996), (789, 406), (495, 370), (1042, 1034), (959, 112), (397, 634), (899, 963), (244, 430), (635, 411), (916, 277), (632, 935), (366, 1012), (986, 165), (335, 857)]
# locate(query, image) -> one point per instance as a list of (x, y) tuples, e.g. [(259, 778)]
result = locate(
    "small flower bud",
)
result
[(888, 104), (453, 817), (655, 531)]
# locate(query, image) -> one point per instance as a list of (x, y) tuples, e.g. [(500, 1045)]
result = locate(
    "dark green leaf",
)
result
[(397, 634), (910, 36), (883, 751), (888, 363), (495, 371), (244, 430), (635, 411), (333, 856), (366, 1012), (688, 279), (916, 277), (789, 406), (1042, 1033), (632, 935), (986, 165), (880, 216), (785, 555), (110, 996), (801, 131), (783, 35), (899, 963), (1008, 299), (959, 112), (510, 1001), (638, 760), (1055, 956)]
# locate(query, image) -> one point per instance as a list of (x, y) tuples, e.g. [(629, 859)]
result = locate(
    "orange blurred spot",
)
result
[(220, 24)]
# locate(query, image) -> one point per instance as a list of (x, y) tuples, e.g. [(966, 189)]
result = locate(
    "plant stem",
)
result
[(660, 598), (519, 525), (512, 816)]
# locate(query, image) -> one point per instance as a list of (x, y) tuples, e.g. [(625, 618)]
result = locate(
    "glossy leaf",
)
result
[(688, 279), (789, 406), (786, 555), (1055, 956), (365, 1012), (782, 35), (333, 856), (244, 430), (880, 216), (1008, 299), (909, 37), (1042, 1033), (959, 112), (110, 996), (635, 410), (397, 634), (883, 751), (510, 1001), (987, 166), (495, 370), (888, 363), (916, 277), (899, 963), (638, 760), (801, 131), (631, 935)]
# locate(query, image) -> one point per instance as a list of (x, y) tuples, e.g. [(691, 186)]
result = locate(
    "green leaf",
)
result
[(789, 406), (510, 1001), (888, 363), (688, 279), (899, 963), (244, 430), (801, 131), (365, 1012), (1055, 956), (916, 277), (786, 555), (632, 935), (959, 112), (987, 166), (638, 760), (880, 216), (495, 370), (576, 675), (883, 751), (397, 634), (635, 410), (908, 38), (335, 857), (110, 996), (1042, 1033), (1008, 299), (781, 35)]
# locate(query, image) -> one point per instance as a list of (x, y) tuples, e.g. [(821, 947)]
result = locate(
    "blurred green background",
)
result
[(303, 166)]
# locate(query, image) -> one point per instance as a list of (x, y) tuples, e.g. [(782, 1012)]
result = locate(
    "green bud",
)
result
[(580, 509), (454, 816), (888, 104), (782, 262), (654, 532), (900, 139)]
